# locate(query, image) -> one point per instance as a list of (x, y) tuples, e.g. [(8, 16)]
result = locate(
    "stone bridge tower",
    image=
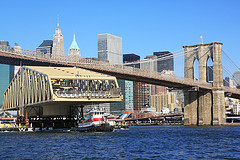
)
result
[(204, 107)]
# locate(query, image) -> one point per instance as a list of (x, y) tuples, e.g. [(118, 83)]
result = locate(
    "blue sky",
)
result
[(145, 26)]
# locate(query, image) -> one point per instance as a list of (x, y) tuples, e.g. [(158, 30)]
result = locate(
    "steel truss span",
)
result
[(40, 86), (27, 87)]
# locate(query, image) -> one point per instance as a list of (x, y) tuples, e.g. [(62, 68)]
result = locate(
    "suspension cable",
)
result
[(230, 59)]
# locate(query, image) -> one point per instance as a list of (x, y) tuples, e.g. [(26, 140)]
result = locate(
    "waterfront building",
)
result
[(164, 61), (163, 100), (141, 91), (128, 95), (236, 77), (74, 51), (236, 109), (58, 51), (117, 108), (45, 47)]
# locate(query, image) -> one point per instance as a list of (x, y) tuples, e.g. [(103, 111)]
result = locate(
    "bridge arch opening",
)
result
[(209, 69), (196, 69)]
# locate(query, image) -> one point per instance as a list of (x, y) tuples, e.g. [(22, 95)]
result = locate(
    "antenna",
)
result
[(58, 20)]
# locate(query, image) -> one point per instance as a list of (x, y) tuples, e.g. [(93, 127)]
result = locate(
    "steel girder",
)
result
[(28, 87)]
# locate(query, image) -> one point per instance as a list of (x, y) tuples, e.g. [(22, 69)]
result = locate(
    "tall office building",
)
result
[(236, 77), (129, 58), (141, 91), (7, 73), (110, 48), (151, 63), (74, 51), (58, 51), (45, 47), (228, 82), (165, 61)]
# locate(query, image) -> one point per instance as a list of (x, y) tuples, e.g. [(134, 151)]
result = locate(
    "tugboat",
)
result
[(94, 122)]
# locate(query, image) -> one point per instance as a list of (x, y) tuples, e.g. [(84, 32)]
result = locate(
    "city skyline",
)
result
[(145, 27)]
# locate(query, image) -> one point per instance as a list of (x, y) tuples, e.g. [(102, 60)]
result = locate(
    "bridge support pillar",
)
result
[(191, 108), (218, 110), (204, 107)]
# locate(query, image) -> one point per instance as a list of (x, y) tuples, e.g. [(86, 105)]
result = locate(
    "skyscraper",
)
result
[(141, 91), (165, 61), (45, 47), (236, 77), (128, 58), (58, 51), (110, 48), (74, 51), (7, 73)]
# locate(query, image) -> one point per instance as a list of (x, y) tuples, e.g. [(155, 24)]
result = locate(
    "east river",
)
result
[(138, 142)]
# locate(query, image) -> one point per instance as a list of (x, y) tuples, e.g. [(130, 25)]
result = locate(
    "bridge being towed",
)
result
[(54, 90)]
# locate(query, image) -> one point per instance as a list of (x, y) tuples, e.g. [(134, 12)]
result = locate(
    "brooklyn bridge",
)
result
[(64, 83)]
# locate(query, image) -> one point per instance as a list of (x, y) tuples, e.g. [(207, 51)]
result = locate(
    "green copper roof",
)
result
[(238, 71), (74, 44)]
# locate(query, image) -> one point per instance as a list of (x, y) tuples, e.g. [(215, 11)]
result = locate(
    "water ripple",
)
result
[(146, 142)]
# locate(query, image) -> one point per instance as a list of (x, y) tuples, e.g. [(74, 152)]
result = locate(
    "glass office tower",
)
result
[(7, 73)]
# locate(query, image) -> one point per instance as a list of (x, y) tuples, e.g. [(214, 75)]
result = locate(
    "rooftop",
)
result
[(46, 43), (74, 44)]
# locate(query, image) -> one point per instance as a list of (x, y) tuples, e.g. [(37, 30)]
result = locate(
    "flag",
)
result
[(201, 37)]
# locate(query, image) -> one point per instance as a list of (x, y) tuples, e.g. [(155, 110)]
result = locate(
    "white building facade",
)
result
[(58, 51)]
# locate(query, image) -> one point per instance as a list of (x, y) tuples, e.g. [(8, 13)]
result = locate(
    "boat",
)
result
[(94, 121), (8, 124)]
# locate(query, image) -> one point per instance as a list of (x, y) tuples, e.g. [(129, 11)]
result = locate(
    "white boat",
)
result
[(94, 121)]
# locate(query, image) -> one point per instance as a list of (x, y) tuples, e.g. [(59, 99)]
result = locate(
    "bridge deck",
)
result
[(9, 56)]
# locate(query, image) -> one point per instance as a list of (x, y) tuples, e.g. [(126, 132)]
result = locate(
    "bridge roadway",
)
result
[(11, 56)]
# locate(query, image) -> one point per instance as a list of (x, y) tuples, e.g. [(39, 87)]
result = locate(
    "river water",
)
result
[(138, 142)]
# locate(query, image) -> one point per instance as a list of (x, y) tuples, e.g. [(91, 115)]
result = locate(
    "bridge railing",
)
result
[(141, 72), (232, 90), (101, 65)]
